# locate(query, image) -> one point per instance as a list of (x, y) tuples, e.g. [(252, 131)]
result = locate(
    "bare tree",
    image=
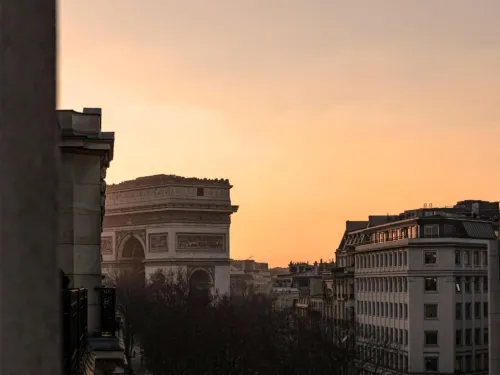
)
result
[(131, 297), (183, 333), (357, 348)]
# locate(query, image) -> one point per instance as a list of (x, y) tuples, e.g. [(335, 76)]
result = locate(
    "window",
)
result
[(468, 311), (477, 336), (458, 364), (431, 364), (485, 309), (485, 259), (458, 288), (476, 258), (476, 285), (431, 311), (467, 284), (477, 310), (485, 284), (431, 338), (458, 337), (478, 365), (468, 336), (485, 336), (430, 257), (431, 231), (458, 257), (458, 311), (467, 257), (200, 192), (430, 284), (406, 311)]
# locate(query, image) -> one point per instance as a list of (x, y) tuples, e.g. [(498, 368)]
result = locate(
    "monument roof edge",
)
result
[(162, 179)]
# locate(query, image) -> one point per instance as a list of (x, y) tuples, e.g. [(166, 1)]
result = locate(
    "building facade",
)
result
[(249, 276), (170, 223), (85, 154), (420, 282)]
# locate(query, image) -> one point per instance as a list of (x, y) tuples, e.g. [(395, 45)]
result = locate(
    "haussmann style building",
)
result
[(90, 336), (418, 281)]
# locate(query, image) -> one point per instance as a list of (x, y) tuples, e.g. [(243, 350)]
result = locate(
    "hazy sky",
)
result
[(318, 111)]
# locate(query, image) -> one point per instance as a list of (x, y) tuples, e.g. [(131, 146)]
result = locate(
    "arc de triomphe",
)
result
[(167, 222)]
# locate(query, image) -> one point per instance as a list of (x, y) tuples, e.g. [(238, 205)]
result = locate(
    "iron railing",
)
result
[(74, 308), (408, 237), (108, 311)]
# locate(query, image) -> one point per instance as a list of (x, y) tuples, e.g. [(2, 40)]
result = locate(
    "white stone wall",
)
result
[(416, 297), (80, 226)]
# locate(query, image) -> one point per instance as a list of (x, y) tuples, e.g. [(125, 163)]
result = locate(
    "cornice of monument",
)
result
[(168, 180)]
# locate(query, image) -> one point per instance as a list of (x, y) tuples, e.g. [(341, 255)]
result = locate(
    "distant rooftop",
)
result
[(164, 179), (472, 209)]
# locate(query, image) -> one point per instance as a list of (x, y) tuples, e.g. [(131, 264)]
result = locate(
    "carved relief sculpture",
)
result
[(107, 245), (201, 242), (104, 167), (158, 242)]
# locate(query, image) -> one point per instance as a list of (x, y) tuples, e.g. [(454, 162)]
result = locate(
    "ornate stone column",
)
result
[(29, 277)]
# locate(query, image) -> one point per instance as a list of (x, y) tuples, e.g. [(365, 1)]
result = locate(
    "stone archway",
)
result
[(200, 284), (132, 255)]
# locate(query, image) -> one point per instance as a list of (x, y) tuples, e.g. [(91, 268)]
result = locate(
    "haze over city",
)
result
[(317, 111)]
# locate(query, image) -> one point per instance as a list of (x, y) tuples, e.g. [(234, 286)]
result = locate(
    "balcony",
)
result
[(81, 349), (108, 312), (74, 308), (398, 241)]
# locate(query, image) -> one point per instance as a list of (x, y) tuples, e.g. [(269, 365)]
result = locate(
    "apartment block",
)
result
[(420, 286)]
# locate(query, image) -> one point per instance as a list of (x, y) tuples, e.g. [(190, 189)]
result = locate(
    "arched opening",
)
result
[(133, 249), (200, 285), (133, 255)]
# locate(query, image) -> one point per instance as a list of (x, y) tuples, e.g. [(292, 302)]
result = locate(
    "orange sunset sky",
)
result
[(318, 111)]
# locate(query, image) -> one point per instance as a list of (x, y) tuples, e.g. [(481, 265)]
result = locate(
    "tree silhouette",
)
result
[(183, 333)]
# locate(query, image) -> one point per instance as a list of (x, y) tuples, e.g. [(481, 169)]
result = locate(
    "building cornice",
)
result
[(168, 180), (208, 207)]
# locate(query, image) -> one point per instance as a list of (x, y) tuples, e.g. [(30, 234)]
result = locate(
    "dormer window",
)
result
[(431, 231)]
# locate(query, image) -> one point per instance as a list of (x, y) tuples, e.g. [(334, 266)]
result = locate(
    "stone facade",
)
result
[(85, 155), (169, 222)]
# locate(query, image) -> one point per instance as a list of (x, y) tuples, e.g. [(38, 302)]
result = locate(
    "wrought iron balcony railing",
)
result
[(108, 311), (74, 308)]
